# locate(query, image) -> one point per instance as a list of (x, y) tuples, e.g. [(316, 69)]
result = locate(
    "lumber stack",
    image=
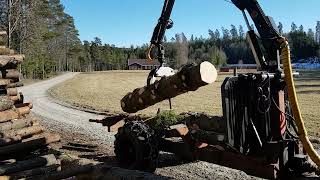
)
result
[(23, 141)]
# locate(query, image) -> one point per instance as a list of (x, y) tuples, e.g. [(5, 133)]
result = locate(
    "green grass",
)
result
[(103, 91)]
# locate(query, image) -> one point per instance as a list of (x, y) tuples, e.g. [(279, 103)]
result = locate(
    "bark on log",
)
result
[(14, 85), (11, 74), (17, 99), (6, 51), (5, 103), (189, 78), (18, 124), (11, 61), (12, 91), (47, 160), (23, 110), (5, 82), (8, 115), (25, 132), (29, 144)]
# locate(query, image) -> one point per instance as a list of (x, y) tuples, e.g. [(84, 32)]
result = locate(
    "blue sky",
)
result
[(131, 22)]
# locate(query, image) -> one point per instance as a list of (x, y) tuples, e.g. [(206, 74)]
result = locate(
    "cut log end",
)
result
[(208, 72)]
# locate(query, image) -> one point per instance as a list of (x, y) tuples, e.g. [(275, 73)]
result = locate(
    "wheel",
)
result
[(136, 147)]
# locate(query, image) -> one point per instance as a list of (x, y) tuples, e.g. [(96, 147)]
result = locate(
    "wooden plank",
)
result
[(10, 61)]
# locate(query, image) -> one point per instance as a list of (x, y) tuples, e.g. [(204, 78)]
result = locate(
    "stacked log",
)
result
[(21, 135), (24, 142)]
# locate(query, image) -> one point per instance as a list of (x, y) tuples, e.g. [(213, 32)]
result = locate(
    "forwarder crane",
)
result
[(260, 110)]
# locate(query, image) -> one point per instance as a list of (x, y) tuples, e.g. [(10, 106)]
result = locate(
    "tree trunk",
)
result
[(189, 78)]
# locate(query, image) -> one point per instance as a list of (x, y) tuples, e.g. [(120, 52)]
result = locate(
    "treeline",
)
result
[(42, 31), (225, 46), (46, 34)]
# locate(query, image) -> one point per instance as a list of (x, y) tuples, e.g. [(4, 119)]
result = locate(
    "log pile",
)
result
[(24, 144), (23, 141)]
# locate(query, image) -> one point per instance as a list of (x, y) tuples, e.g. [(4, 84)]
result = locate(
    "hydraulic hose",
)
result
[(303, 135)]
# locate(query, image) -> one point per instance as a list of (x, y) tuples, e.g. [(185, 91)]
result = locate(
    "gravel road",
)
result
[(54, 114)]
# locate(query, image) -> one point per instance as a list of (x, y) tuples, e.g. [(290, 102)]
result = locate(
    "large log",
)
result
[(5, 103), (11, 74), (10, 61), (13, 85), (18, 124), (5, 82), (15, 114), (188, 78), (24, 132), (29, 144), (14, 136), (8, 115), (12, 91), (47, 160), (6, 51)]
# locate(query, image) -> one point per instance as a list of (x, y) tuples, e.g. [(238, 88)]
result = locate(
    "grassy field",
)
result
[(103, 91)]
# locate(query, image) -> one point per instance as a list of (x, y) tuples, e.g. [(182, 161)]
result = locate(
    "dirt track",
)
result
[(54, 114)]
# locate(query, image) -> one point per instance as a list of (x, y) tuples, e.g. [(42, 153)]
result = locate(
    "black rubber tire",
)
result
[(136, 147)]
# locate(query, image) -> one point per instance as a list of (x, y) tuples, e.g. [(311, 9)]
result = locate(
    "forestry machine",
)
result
[(260, 110)]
